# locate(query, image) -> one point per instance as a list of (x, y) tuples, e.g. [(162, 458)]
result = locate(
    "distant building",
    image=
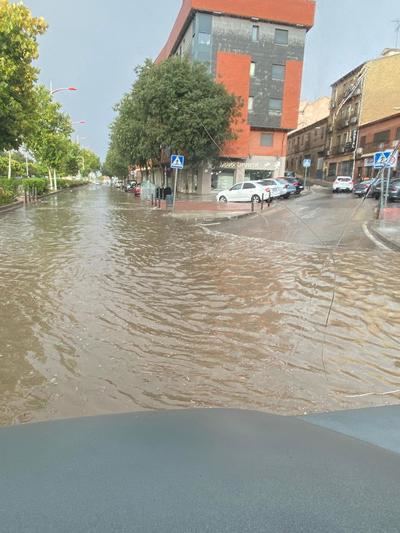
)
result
[(379, 135), (256, 48), (308, 143), (369, 93), (311, 112)]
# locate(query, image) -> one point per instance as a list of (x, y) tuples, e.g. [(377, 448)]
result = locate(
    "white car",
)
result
[(246, 191), (280, 188), (343, 184)]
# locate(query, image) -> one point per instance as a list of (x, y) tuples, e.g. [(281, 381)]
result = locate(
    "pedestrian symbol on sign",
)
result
[(177, 161)]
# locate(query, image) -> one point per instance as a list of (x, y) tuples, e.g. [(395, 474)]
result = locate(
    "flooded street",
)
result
[(107, 306)]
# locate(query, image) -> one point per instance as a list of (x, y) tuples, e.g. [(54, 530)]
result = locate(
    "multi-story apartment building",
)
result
[(376, 136), (343, 123), (308, 143), (365, 95), (256, 48)]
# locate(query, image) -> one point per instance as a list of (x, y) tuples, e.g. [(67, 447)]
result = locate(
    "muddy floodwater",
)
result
[(107, 306)]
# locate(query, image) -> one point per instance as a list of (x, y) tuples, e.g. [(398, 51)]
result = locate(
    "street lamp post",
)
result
[(62, 89)]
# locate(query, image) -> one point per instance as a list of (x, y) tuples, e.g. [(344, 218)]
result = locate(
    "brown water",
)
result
[(107, 307)]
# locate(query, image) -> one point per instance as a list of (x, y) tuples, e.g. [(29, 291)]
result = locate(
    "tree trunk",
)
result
[(55, 181), (50, 180)]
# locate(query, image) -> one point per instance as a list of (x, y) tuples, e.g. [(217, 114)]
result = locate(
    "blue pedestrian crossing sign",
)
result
[(385, 159), (177, 161)]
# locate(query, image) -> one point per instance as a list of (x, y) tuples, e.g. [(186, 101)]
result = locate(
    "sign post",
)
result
[(306, 166), (385, 160), (178, 163)]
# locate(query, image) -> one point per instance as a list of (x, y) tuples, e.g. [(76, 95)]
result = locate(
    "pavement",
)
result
[(387, 232), (319, 220)]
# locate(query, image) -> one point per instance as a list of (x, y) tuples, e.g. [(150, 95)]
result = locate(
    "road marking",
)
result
[(369, 235)]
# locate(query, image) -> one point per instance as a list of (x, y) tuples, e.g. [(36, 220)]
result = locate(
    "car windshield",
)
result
[(344, 179)]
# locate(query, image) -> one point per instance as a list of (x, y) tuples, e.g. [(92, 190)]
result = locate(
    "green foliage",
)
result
[(176, 105), (8, 190), (40, 184), (49, 140), (18, 49)]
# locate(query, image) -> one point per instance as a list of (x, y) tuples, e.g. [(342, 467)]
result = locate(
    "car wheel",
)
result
[(256, 199), (287, 196), (223, 199)]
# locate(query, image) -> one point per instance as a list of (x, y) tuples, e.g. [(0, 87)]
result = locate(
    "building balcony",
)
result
[(370, 148), (341, 149)]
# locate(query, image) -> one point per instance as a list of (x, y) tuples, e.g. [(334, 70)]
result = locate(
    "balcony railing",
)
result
[(369, 148), (341, 149)]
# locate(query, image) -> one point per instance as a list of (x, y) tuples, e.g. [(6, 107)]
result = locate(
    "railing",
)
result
[(369, 148)]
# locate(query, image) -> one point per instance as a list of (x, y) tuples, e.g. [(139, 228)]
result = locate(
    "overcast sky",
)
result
[(95, 45)]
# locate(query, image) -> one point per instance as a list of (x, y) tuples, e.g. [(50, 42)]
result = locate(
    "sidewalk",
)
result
[(387, 232)]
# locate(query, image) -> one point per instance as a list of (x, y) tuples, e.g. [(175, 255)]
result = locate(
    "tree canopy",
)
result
[(173, 106), (19, 31)]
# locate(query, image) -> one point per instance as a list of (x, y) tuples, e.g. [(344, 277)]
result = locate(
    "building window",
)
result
[(382, 136), (252, 69), (398, 134), (275, 105), (278, 72), (281, 37), (251, 103), (204, 38), (255, 34), (363, 141), (267, 139)]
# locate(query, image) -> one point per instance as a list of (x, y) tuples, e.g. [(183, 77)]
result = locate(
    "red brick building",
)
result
[(256, 49), (380, 135)]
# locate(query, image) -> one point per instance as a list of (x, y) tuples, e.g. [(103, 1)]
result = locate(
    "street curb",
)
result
[(384, 240), (9, 208), (203, 220)]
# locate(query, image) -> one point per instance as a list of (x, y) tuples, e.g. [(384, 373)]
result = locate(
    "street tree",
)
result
[(175, 105), (19, 32), (49, 139)]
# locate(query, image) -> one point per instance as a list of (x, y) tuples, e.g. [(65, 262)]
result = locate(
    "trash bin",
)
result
[(170, 200)]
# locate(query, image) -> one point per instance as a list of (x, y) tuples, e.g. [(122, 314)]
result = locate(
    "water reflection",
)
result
[(107, 306)]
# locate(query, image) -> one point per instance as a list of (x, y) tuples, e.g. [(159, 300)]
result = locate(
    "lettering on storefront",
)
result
[(231, 165)]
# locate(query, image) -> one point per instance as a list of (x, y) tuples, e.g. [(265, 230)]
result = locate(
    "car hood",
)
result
[(205, 470)]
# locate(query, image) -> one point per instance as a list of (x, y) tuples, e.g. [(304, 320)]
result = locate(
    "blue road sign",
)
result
[(307, 163), (384, 159), (177, 161)]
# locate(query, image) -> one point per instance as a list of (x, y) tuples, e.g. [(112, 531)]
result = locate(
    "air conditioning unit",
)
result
[(341, 150), (330, 129), (328, 153), (353, 120), (360, 151), (347, 123), (395, 143)]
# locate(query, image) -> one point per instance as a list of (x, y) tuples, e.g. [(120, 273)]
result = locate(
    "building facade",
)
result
[(376, 136), (365, 95), (256, 49), (308, 143)]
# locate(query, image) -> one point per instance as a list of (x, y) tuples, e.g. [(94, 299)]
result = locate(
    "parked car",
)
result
[(394, 190), (376, 187), (343, 184), (279, 187), (130, 186), (274, 186), (246, 191), (297, 182), (361, 189)]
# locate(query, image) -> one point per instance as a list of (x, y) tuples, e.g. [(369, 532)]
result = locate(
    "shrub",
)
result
[(8, 190), (41, 185)]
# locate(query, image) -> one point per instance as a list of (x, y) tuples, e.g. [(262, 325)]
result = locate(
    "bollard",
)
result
[(159, 202), (152, 200), (269, 198), (26, 196), (252, 205), (262, 202)]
